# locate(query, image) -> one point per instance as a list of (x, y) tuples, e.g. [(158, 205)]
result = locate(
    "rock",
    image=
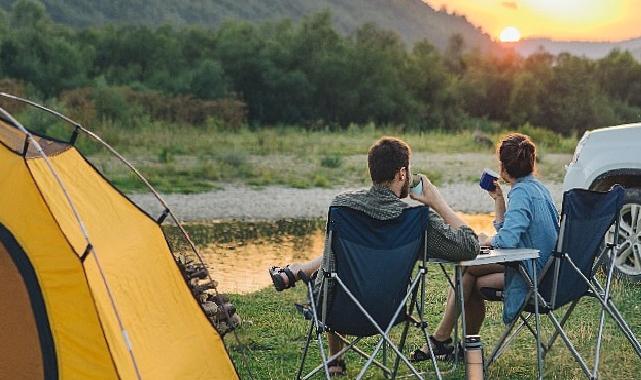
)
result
[(482, 139)]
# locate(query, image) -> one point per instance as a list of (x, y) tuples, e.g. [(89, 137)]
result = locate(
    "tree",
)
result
[(208, 80), (619, 75), (432, 88)]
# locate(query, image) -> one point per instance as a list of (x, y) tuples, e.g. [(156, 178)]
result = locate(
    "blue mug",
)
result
[(487, 179)]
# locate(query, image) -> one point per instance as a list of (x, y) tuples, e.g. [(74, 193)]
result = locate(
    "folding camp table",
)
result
[(496, 256)]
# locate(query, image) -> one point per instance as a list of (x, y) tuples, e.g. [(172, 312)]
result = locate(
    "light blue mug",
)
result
[(416, 186)]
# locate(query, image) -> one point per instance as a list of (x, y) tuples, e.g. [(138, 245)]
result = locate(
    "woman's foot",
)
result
[(441, 349), (282, 278), (337, 367)]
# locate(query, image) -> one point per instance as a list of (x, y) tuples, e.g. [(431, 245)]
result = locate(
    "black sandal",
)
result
[(440, 349), (278, 281), (337, 363)]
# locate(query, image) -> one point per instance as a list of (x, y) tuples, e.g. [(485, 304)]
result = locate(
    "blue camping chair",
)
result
[(371, 289), (570, 274)]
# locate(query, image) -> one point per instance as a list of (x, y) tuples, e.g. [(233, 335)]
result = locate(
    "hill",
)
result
[(414, 20), (593, 50)]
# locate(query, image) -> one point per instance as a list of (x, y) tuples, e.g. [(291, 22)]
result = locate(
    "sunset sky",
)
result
[(593, 20)]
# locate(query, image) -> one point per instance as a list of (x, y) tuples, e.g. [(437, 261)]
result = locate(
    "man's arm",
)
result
[(448, 236), (432, 197)]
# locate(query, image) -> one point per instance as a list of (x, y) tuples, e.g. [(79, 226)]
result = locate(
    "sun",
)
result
[(510, 34)]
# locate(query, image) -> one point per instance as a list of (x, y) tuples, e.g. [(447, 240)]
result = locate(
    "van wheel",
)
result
[(627, 262)]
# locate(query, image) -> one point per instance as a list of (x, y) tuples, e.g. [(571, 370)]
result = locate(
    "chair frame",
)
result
[(595, 289), (416, 303)]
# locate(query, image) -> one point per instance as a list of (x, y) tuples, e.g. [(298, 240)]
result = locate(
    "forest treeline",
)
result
[(304, 73)]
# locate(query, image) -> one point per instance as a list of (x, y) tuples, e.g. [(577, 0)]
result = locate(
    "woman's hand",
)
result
[(484, 239), (498, 192)]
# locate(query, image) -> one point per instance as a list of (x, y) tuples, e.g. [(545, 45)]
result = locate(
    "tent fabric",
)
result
[(587, 217), (80, 346), (369, 253), (24, 356), (170, 335), (14, 139)]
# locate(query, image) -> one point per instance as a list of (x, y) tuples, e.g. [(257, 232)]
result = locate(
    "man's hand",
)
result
[(497, 193), (431, 196)]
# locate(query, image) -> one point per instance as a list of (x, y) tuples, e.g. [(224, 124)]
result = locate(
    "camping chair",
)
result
[(570, 274), (371, 289)]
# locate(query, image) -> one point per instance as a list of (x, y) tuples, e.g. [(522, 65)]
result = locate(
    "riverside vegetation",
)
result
[(187, 159), (297, 104)]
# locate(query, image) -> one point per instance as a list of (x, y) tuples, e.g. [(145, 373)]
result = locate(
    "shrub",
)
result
[(80, 105), (331, 161), (12, 87)]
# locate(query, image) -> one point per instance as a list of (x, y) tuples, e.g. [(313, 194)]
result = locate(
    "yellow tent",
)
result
[(88, 286)]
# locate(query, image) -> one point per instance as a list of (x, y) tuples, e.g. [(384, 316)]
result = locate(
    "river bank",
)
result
[(273, 203)]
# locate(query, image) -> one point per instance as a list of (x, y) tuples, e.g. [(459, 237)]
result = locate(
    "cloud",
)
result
[(510, 5)]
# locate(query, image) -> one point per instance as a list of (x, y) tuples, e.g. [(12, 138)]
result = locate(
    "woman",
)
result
[(530, 221)]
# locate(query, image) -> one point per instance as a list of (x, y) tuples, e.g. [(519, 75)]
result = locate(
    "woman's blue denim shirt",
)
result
[(531, 221)]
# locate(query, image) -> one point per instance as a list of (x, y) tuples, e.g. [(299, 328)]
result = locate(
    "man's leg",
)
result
[(307, 267)]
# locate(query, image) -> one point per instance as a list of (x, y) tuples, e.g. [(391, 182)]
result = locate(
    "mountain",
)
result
[(414, 20), (593, 50)]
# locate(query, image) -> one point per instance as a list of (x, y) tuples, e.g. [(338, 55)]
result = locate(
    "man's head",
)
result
[(388, 161)]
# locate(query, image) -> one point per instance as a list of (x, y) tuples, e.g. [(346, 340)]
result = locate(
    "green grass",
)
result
[(274, 335), (187, 159)]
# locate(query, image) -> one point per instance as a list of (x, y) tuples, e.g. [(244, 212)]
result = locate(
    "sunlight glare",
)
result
[(510, 34)]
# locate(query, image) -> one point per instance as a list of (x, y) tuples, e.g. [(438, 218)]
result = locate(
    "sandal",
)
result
[(278, 281), (491, 294), (440, 349), (340, 364)]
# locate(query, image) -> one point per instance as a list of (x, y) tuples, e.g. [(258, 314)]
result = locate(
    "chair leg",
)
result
[(623, 325), (384, 333), (537, 321), (319, 330), (385, 358), (504, 340), (625, 328), (348, 346), (397, 361), (597, 289), (305, 350), (570, 346), (565, 318)]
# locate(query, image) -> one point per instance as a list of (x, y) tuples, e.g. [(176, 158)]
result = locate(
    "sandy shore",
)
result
[(273, 203)]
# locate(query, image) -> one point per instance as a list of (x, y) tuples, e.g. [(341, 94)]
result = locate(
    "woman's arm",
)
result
[(516, 220), (499, 206)]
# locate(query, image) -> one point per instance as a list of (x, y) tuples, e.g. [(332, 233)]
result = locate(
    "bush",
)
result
[(12, 87), (331, 161)]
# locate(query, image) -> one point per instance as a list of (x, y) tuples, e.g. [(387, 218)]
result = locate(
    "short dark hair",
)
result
[(386, 157), (517, 154)]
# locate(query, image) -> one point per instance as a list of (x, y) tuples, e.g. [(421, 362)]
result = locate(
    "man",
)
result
[(448, 236)]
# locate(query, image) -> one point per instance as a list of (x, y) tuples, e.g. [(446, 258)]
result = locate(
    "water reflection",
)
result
[(238, 254)]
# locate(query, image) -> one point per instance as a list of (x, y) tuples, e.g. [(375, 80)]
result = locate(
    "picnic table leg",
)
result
[(459, 290), (539, 361)]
